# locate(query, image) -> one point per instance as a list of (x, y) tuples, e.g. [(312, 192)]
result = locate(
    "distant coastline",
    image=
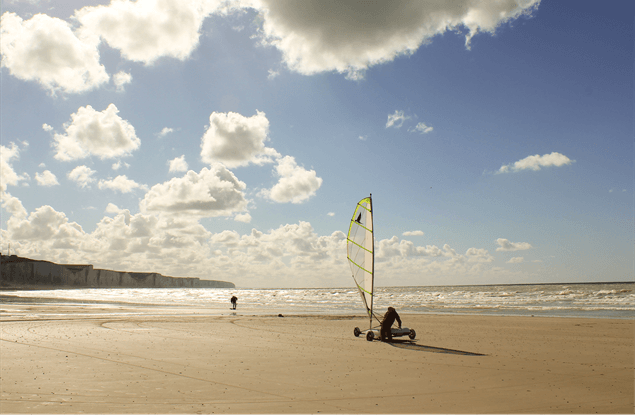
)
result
[(20, 273)]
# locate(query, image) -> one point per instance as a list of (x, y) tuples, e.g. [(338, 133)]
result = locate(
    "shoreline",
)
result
[(45, 287), (113, 308), (215, 307)]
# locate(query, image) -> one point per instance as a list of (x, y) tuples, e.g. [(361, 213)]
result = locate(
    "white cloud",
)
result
[(478, 255), (363, 137), (121, 78), (44, 224), (103, 134), (243, 217), (121, 184), (292, 255), (8, 176), (537, 162), (331, 214), (165, 131), (119, 164), (178, 164), (212, 192), (46, 179), (112, 208), (516, 260), (413, 233), (273, 74), (236, 140), (146, 30), (47, 127), (505, 245), (45, 49), (296, 184), (421, 128), (349, 37), (396, 120), (82, 175), (393, 247)]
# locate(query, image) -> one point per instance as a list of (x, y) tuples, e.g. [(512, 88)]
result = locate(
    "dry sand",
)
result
[(71, 360)]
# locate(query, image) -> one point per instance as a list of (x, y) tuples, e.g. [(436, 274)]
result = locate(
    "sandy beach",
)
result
[(89, 359)]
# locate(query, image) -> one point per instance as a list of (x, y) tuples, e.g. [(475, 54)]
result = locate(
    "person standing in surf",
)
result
[(389, 318), (234, 300)]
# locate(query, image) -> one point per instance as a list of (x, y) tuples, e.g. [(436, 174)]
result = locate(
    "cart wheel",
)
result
[(357, 332), (370, 336), (412, 334)]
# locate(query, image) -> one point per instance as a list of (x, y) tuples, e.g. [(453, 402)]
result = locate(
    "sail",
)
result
[(360, 250)]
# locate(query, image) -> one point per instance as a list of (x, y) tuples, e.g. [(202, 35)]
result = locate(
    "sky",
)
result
[(231, 140)]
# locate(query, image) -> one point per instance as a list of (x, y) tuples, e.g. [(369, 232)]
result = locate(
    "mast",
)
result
[(372, 235)]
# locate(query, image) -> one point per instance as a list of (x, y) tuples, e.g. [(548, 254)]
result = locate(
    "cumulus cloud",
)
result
[(236, 140), (516, 260), (349, 37), (121, 184), (292, 255), (8, 176), (112, 208), (536, 163), (178, 164), (43, 224), (243, 217), (296, 184), (212, 192), (505, 245), (46, 178), (103, 134), (396, 120), (478, 255), (146, 30), (82, 175), (121, 78), (47, 127), (46, 50), (421, 128), (165, 131), (393, 247), (413, 233), (119, 164)]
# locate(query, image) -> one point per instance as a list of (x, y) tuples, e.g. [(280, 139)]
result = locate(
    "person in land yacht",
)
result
[(389, 318)]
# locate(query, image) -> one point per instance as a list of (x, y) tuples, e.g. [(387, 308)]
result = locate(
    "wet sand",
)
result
[(93, 359)]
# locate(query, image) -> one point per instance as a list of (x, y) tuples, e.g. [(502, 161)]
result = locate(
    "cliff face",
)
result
[(24, 272)]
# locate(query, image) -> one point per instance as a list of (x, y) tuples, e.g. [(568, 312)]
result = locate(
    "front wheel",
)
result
[(357, 332), (370, 336), (412, 334)]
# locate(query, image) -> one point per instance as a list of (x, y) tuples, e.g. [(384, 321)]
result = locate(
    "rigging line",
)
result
[(355, 243), (360, 204), (361, 226), (360, 267), (371, 294)]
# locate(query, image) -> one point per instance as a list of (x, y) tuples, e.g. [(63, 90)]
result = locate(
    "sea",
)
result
[(588, 300)]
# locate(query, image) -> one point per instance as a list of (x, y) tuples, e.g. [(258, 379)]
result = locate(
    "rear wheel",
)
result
[(370, 336), (412, 334), (357, 332)]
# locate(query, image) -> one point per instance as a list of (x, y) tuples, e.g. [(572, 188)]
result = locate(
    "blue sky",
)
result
[(232, 140)]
